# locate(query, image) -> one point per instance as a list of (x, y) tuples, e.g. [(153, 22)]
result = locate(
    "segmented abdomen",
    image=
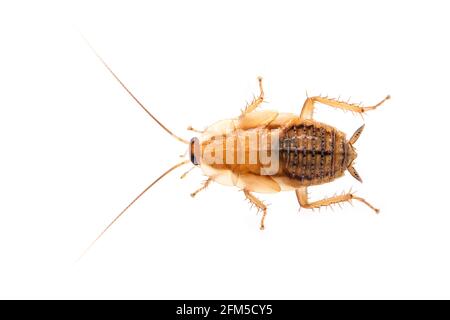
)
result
[(312, 153)]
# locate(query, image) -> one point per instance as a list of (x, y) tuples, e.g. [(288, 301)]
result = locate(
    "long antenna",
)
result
[(130, 204), (131, 94)]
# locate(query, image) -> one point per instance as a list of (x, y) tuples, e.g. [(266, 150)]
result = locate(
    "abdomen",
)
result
[(312, 153)]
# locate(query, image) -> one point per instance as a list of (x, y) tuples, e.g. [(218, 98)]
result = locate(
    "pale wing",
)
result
[(257, 183), (256, 119)]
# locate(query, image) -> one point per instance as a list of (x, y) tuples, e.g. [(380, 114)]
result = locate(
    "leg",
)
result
[(186, 173), (302, 197), (203, 187), (195, 130), (308, 106), (259, 204), (257, 101)]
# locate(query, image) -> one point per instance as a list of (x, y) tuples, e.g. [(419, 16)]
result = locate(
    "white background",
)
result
[(75, 149)]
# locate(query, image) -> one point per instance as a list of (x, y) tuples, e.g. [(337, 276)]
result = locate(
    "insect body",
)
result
[(268, 152), (307, 152)]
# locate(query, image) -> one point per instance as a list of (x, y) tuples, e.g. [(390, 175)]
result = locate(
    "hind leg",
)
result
[(259, 204), (308, 106), (302, 197)]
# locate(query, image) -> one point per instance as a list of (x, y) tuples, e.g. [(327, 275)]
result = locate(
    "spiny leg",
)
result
[(302, 197), (203, 187), (259, 204), (257, 101), (308, 106)]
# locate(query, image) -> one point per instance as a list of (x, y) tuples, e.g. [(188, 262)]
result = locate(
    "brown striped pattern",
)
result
[(313, 153)]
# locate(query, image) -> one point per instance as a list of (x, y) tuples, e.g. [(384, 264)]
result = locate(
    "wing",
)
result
[(256, 119)]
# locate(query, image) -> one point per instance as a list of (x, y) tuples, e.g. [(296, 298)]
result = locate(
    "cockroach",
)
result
[(265, 151)]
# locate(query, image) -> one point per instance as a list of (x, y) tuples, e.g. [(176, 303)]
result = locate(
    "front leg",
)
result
[(203, 187), (308, 106), (259, 204), (195, 130), (302, 197)]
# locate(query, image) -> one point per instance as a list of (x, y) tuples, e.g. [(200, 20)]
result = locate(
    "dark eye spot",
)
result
[(194, 151)]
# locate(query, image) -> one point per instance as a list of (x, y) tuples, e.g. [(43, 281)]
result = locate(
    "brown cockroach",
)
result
[(268, 152)]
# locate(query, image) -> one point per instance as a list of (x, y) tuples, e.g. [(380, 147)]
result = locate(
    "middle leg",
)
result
[(257, 101), (259, 204)]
